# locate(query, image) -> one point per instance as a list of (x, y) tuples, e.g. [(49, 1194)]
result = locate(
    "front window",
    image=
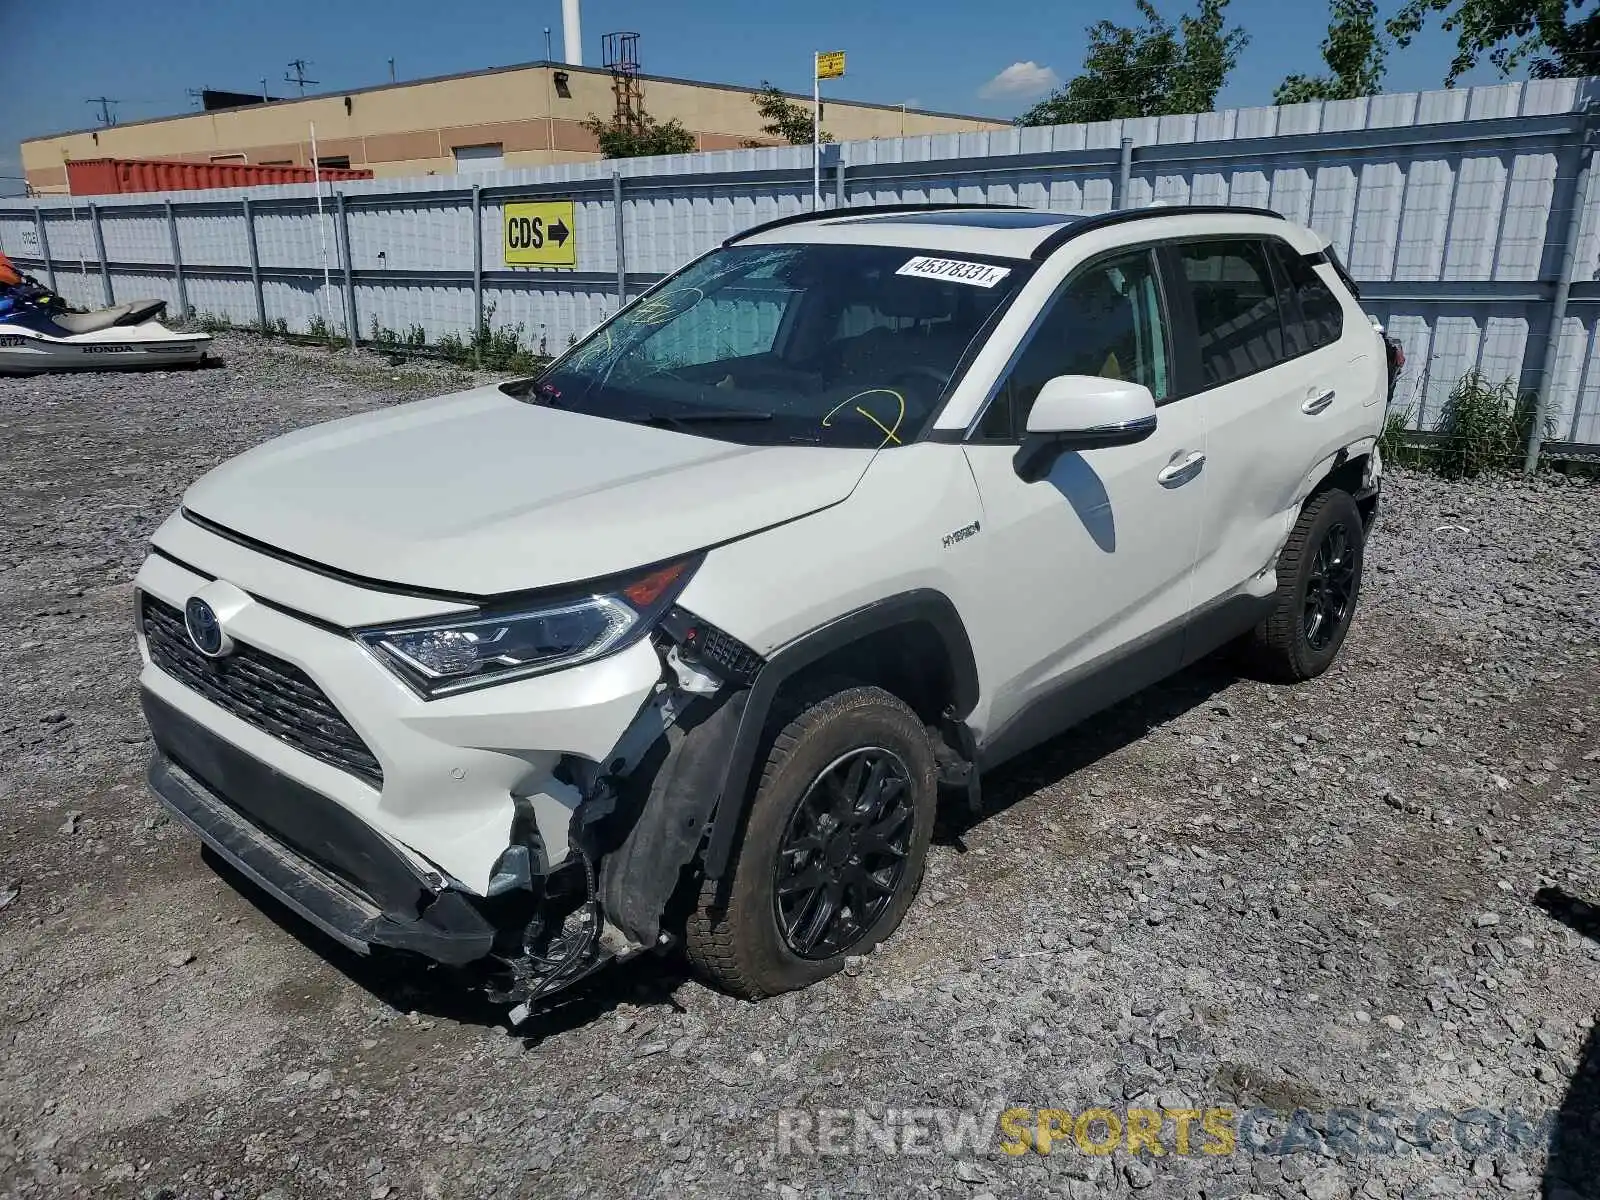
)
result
[(1106, 321), (837, 345)]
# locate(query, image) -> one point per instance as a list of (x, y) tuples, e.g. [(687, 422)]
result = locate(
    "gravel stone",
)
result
[(1309, 854)]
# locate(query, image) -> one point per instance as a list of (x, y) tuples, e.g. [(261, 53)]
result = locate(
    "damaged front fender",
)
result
[(673, 793)]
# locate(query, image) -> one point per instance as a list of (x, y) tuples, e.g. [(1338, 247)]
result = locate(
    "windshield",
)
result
[(837, 345)]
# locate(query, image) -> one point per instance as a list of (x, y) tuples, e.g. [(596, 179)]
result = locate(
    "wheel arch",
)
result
[(1357, 469), (866, 639)]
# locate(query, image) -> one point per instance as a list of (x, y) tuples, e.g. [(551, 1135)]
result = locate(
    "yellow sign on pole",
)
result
[(540, 233), (830, 64)]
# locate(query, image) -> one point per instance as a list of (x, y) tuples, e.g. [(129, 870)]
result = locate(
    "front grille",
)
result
[(275, 696)]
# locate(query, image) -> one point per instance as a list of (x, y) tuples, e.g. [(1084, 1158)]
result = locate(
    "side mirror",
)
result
[(1083, 412)]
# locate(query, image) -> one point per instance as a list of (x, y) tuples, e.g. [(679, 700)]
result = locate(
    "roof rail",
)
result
[(826, 214), (1119, 216)]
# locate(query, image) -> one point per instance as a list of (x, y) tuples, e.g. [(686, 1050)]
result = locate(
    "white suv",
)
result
[(678, 641)]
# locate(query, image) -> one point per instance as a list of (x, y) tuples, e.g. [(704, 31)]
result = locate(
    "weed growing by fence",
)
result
[(414, 338), (490, 348), (207, 322), (320, 329), (1395, 443), (1484, 427)]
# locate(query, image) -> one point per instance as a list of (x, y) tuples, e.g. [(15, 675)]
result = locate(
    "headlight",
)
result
[(442, 657)]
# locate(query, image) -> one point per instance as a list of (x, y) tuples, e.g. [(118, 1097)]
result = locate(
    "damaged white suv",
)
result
[(677, 642)]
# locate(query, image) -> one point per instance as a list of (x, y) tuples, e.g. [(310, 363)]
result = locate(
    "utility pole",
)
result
[(299, 76), (107, 117), (816, 131), (391, 70)]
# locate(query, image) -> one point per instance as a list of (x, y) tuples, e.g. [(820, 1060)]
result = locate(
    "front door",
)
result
[(1086, 575)]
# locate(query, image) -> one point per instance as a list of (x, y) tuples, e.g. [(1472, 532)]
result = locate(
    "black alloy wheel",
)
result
[(844, 852), (1319, 585), (833, 848), (1330, 587)]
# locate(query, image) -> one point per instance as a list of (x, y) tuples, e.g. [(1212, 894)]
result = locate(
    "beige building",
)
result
[(528, 115)]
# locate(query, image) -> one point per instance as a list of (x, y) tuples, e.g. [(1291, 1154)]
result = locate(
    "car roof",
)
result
[(1007, 231)]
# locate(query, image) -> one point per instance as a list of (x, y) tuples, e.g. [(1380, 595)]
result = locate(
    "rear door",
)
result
[(1270, 365)]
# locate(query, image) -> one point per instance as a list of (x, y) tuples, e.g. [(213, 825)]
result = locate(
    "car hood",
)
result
[(481, 494)]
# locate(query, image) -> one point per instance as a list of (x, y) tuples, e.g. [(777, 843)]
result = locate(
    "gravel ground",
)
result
[(1344, 898)]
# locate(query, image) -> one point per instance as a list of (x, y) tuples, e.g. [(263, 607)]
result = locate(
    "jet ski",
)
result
[(39, 333)]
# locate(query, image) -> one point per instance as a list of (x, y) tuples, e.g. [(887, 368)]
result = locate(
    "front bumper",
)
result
[(454, 772), (305, 850)]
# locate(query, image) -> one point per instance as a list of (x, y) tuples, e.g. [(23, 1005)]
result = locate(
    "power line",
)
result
[(299, 76), (107, 117)]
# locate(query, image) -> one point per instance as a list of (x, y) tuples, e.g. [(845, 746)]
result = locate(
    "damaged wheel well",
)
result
[(1350, 476), (700, 780), (909, 660), (913, 644)]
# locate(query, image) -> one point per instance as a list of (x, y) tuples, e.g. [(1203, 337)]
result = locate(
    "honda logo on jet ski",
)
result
[(205, 630), (108, 349)]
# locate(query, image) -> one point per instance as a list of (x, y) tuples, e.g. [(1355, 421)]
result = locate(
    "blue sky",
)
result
[(941, 54)]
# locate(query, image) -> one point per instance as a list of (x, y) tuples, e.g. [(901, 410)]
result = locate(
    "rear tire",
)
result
[(841, 818), (1319, 581)]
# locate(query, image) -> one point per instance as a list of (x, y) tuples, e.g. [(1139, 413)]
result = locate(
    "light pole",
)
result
[(816, 131)]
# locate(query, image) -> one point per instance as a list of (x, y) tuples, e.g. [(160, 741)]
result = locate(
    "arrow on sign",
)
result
[(559, 232)]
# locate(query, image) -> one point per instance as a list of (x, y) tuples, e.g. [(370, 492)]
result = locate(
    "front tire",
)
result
[(1319, 580), (834, 849)]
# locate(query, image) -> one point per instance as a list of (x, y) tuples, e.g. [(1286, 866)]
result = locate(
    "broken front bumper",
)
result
[(304, 849), (493, 826)]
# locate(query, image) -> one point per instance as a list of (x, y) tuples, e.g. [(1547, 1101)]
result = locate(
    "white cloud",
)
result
[(1020, 81)]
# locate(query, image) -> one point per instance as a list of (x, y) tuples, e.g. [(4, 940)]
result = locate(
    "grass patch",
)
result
[(1483, 429), (414, 338), (207, 322), (490, 349)]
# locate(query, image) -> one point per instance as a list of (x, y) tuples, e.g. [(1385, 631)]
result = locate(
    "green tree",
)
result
[(1550, 36), (1354, 51), (648, 136), (784, 117), (1153, 69)]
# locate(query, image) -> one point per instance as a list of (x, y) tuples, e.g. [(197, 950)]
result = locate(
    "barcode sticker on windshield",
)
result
[(975, 273)]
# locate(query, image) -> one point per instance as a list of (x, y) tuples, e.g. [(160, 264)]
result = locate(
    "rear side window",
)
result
[(1237, 309), (1312, 315)]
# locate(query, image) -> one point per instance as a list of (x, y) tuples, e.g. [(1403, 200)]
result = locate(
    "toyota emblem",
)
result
[(205, 630)]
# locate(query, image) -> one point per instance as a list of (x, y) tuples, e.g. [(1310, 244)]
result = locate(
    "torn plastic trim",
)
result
[(674, 797), (643, 817), (524, 859), (656, 799)]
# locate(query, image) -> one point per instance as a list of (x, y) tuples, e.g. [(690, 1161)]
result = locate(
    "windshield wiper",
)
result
[(704, 416)]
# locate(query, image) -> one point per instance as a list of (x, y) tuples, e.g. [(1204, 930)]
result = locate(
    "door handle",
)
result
[(1179, 473), (1317, 402)]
